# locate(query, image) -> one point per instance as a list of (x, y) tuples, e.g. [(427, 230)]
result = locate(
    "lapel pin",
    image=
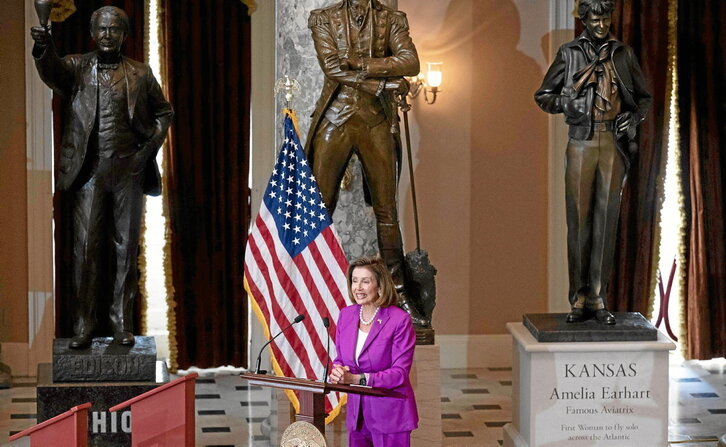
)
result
[(379, 321)]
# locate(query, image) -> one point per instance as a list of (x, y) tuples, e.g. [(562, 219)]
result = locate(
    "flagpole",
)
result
[(291, 87)]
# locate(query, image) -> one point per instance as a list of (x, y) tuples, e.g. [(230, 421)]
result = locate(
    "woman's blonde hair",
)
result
[(387, 295)]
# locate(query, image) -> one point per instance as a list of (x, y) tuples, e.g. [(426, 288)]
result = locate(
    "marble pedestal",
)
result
[(426, 380), (588, 393)]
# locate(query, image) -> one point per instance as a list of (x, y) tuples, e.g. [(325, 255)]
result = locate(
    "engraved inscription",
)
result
[(99, 367), (105, 422), (92, 366)]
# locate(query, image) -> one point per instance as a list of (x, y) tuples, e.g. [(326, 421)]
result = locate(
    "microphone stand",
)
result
[(326, 323), (297, 319)]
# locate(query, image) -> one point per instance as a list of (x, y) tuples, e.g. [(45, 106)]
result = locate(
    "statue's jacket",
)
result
[(556, 95), (393, 55), (75, 78)]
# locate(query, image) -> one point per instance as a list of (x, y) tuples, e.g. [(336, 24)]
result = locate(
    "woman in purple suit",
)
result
[(375, 341)]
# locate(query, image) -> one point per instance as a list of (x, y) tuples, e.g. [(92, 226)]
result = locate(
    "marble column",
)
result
[(354, 220)]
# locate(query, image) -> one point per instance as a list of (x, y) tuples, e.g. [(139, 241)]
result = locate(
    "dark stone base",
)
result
[(424, 336), (105, 429), (105, 361), (630, 326), (6, 378)]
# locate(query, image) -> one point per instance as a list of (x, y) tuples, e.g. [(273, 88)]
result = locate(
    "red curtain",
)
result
[(73, 36), (208, 64), (642, 24), (702, 92)]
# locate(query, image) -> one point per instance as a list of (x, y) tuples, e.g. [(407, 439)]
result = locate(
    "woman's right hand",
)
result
[(337, 374), (341, 374)]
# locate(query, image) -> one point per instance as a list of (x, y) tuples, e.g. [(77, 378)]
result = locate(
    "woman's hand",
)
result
[(341, 374)]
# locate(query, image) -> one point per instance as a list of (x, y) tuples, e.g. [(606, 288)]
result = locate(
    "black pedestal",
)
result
[(105, 361), (630, 326), (104, 429)]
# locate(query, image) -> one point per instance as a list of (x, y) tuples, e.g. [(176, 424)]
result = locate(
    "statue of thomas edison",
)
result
[(116, 120), (364, 50), (597, 83)]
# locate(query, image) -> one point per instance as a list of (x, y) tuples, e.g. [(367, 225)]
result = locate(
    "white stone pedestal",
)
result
[(426, 380), (588, 393)]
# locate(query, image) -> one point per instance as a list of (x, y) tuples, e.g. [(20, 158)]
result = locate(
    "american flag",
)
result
[(294, 264)]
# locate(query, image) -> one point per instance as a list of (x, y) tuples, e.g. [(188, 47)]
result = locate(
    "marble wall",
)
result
[(296, 58)]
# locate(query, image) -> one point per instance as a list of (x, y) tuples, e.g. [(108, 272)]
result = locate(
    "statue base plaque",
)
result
[(584, 394), (105, 361), (105, 429)]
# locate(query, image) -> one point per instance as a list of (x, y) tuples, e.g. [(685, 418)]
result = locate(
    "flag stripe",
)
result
[(333, 277), (338, 255)]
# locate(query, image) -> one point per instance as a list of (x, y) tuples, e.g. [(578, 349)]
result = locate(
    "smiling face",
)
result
[(108, 32), (598, 26), (363, 286)]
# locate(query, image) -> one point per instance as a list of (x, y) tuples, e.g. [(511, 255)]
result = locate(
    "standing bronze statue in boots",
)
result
[(597, 83), (365, 50)]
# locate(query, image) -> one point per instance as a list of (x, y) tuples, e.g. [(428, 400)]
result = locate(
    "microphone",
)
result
[(326, 323), (297, 319)]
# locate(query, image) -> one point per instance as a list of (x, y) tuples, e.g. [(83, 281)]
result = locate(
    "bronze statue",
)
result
[(116, 120), (597, 83), (364, 50)]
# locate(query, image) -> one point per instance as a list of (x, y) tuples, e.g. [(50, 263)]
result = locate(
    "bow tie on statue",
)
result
[(102, 66), (596, 74)]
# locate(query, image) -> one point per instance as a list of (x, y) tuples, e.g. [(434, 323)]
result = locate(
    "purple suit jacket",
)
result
[(387, 356)]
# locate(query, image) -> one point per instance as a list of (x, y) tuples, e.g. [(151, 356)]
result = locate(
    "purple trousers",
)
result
[(363, 437)]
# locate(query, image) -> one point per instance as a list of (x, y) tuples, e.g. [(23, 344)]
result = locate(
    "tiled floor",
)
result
[(475, 404)]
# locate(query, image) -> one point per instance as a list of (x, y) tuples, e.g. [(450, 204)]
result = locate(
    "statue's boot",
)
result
[(124, 338), (596, 305), (577, 313), (80, 341), (120, 315), (405, 303), (391, 248), (404, 300), (603, 316)]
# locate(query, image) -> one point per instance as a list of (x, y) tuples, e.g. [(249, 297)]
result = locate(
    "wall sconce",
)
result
[(429, 83)]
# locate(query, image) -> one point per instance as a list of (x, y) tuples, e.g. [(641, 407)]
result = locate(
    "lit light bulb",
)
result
[(434, 76)]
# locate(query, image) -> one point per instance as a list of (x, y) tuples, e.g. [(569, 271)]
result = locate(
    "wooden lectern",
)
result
[(312, 394), (69, 429), (164, 415)]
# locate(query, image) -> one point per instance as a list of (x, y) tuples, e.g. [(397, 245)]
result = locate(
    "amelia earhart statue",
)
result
[(597, 83), (116, 120), (364, 50)]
